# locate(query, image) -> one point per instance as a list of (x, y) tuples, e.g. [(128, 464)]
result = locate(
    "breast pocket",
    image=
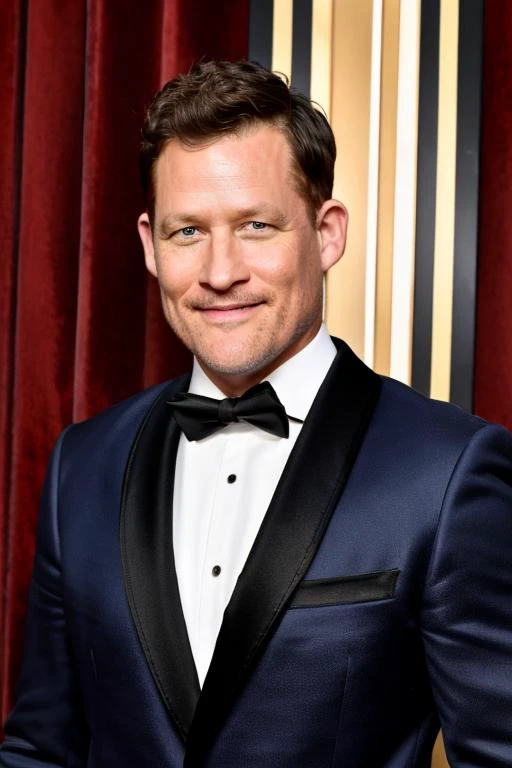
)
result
[(360, 588)]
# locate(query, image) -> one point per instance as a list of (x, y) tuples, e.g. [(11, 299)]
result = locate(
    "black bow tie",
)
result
[(199, 416)]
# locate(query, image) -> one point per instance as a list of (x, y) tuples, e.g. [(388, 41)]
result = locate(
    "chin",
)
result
[(236, 365), (231, 367)]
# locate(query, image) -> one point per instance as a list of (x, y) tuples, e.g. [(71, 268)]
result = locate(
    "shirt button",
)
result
[(231, 478), (216, 570)]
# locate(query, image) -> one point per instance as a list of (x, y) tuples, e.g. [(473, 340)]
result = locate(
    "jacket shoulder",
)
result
[(401, 406), (120, 422)]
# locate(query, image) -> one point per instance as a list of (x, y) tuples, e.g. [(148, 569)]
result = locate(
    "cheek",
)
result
[(174, 282), (302, 278), (279, 267)]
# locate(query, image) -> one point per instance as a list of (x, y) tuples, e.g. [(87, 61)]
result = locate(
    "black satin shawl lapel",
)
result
[(299, 512), (148, 560)]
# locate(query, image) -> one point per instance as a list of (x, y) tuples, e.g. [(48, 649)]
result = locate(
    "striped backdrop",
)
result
[(400, 82)]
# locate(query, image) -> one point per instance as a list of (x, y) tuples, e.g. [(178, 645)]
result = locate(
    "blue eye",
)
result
[(258, 225), (188, 231)]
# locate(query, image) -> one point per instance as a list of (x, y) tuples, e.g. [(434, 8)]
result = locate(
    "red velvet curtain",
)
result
[(493, 370), (80, 324)]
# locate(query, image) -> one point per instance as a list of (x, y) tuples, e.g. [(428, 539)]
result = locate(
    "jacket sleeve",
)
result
[(46, 726), (467, 613)]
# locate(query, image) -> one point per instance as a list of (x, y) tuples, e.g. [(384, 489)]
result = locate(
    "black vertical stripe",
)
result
[(261, 18), (466, 201), (301, 45), (426, 196)]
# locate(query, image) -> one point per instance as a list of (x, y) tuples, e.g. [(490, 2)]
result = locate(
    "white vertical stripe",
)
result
[(282, 37), (321, 54), (373, 186), (405, 191)]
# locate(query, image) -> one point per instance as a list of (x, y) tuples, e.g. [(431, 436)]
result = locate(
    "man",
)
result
[(231, 581)]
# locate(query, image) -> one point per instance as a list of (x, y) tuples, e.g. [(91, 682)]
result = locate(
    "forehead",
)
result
[(255, 161)]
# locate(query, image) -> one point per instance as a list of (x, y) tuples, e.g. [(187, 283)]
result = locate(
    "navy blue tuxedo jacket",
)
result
[(375, 602)]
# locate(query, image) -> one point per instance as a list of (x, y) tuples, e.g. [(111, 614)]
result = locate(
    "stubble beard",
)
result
[(261, 360)]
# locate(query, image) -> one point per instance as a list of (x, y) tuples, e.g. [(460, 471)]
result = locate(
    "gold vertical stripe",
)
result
[(438, 755), (445, 201), (404, 228), (387, 162), (282, 37), (350, 119), (321, 54), (321, 59)]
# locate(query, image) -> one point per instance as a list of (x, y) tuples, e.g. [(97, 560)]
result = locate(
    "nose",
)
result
[(223, 263)]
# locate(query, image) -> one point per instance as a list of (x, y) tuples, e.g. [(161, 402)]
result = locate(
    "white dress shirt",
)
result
[(223, 486)]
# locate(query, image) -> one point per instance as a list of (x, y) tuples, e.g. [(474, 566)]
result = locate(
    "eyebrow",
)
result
[(175, 220), (254, 212), (262, 211)]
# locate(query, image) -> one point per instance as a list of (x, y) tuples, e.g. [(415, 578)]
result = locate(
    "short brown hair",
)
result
[(217, 98)]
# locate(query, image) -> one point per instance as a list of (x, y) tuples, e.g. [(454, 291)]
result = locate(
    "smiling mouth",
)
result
[(228, 312)]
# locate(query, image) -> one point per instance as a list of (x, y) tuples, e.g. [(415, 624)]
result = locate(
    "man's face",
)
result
[(239, 263)]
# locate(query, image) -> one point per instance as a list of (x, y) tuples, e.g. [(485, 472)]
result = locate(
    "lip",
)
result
[(229, 312)]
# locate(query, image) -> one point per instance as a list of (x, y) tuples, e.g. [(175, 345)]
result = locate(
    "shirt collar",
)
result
[(308, 367)]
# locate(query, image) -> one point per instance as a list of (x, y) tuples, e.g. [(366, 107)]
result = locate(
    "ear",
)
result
[(331, 225), (146, 236)]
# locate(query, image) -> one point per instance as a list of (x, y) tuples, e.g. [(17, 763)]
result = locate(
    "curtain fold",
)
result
[(80, 322), (11, 24), (493, 357)]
